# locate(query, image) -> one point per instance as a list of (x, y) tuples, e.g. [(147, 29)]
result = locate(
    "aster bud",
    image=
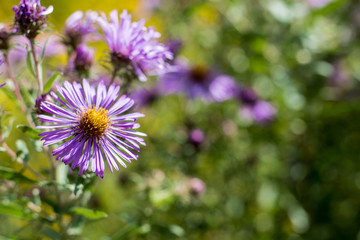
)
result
[(84, 58)]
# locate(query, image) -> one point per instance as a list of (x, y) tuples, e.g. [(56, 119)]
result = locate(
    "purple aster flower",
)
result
[(133, 46), (84, 58), (254, 108), (79, 26), (30, 17), (198, 82), (93, 124)]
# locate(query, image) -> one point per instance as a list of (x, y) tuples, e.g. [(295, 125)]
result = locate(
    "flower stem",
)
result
[(113, 76), (17, 91), (19, 160), (37, 66), (59, 216)]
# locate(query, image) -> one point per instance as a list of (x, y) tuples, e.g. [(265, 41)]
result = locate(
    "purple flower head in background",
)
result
[(197, 186), (84, 58), (93, 125), (30, 17), (174, 46), (79, 26), (254, 108), (196, 138), (145, 97), (198, 82), (134, 46)]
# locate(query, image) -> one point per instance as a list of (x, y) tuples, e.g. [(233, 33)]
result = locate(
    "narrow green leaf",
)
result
[(26, 94), (15, 210), (30, 132), (29, 62), (10, 174), (50, 233), (89, 213), (44, 49), (123, 233), (50, 82)]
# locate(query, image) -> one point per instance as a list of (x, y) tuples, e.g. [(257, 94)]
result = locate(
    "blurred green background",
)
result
[(296, 178)]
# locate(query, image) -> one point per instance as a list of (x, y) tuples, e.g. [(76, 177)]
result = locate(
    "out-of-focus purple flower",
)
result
[(134, 46), (150, 4), (93, 125), (79, 26), (198, 82), (254, 108), (318, 3), (339, 77), (196, 137), (197, 186), (84, 58), (30, 17), (174, 46), (145, 96)]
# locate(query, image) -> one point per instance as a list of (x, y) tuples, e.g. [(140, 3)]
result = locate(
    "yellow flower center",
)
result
[(94, 122)]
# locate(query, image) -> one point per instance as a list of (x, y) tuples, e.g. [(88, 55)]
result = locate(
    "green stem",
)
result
[(37, 67), (19, 160), (113, 76), (59, 216), (17, 90)]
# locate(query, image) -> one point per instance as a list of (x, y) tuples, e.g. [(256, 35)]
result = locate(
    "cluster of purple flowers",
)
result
[(90, 121)]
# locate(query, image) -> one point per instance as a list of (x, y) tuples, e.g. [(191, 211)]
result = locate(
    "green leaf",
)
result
[(15, 210), (10, 174), (50, 82), (30, 132), (44, 49), (29, 62), (89, 213), (26, 94), (177, 230), (50, 233)]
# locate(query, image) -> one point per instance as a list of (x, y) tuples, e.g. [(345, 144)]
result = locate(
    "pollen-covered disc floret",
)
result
[(94, 122), (93, 126)]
